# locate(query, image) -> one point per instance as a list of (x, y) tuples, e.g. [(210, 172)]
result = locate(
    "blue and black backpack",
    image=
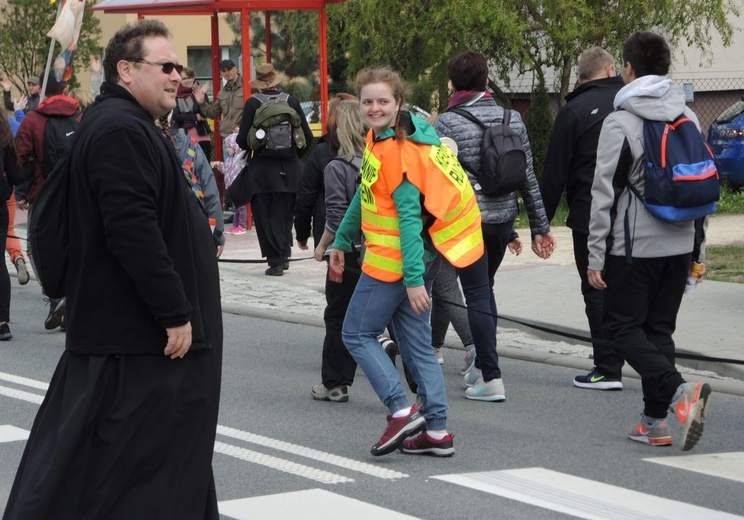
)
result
[(681, 179)]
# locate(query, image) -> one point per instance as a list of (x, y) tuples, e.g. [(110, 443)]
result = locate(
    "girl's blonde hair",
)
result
[(393, 80), (350, 129), (83, 97)]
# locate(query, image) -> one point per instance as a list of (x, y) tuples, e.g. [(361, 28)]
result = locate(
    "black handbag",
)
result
[(240, 190)]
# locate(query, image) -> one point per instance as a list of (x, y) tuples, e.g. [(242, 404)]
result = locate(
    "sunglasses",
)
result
[(167, 67)]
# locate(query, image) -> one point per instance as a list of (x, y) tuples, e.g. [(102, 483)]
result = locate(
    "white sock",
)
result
[(402, 412), (436, 435)]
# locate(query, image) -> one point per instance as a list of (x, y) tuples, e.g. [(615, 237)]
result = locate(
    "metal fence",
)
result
[(708, 97)]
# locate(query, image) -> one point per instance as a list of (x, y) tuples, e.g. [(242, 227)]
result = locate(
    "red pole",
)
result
[(245, 28), (267, 28), (323, 47), (216, 81)]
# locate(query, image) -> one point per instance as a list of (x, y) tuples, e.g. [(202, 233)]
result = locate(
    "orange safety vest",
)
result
[(448, 196)]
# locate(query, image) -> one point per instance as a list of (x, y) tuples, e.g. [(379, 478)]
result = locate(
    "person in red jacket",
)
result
[(30, 142)]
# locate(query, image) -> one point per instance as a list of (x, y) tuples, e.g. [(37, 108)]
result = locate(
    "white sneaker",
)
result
[(438, 352), (492, 391), (469, 360), (472, 377)]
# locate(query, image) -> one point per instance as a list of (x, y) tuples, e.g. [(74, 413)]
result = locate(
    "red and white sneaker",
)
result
[(424, 444), (655, 436), (691, 407), (397, 430)]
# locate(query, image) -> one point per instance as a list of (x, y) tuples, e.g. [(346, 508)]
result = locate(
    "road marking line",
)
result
[(280, 464), (310, 453), (10, 433), (20, 394), (724, 465), (311, 504), (313, 454), (581, 497), (10, 378)]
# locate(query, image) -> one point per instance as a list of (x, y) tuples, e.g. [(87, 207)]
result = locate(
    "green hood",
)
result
[(418, 130)]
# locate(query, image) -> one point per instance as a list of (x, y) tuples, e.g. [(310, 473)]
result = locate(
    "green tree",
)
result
[(24, 45), (417, 37), (294, 47), (539, 125)]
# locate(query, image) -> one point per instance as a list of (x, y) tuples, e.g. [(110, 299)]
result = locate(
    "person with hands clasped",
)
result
[(413, 202)]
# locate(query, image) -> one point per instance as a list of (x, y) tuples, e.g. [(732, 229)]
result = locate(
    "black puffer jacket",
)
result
[(310, 205), (468, 136), (142, 256), (572, 153)]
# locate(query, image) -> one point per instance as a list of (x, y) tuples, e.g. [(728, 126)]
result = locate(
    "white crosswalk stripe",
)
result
[(724, 465), (581, 497), (312, 504)]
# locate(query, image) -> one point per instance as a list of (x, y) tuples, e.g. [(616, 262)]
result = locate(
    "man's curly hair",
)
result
[(126, 44)]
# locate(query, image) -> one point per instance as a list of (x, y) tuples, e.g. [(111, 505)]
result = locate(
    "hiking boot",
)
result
[(438, 353), (690, 405), (472, 377), (5, 334), (397, 430), (656, 435), (20, 265), (274, 270), (56, 313), (285, 265), (469, 361), (337, 394), (389, 346), (492, 391), (424, 444), (596, 381)]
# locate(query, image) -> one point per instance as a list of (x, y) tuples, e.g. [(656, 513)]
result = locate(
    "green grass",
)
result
[(732, 201), (725, 263)]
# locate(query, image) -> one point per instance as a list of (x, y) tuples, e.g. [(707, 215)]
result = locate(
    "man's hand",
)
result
[(179, 341), (200, 91), (220, 249), (7, 85), (419, 298), (319, 252), (595, 279), (515, 246), (22, 204), (20, 104), (543, 245), (95, 64)]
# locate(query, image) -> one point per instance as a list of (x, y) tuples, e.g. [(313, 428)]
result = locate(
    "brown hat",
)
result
[(266, 77)]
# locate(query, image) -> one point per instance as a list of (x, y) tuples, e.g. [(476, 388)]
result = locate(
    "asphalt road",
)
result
[(550, 451)]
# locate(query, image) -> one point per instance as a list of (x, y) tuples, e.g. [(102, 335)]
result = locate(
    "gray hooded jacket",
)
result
[(621, 157)]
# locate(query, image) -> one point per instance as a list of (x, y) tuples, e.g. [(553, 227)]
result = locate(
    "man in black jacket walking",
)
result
[(569, 165), (127, 427)]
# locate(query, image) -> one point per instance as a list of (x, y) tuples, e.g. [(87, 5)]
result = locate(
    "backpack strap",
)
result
[(470, 117), (507, 117)]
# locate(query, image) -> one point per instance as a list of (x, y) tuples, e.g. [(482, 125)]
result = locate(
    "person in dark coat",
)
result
[(273, 181), (569, 165), (310, 205), (127, 427)]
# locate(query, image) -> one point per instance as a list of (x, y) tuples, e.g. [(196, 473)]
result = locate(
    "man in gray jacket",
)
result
[(643, 280)]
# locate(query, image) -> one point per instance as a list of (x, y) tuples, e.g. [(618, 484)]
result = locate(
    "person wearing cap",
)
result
[(273, 181), (34, 89), (228, 104)]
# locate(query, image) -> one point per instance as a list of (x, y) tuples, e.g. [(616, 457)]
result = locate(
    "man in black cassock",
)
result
[(127, 427)]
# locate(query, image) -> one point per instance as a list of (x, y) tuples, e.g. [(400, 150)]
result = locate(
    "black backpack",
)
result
[(58, 134), (48, 218), (503, 160)]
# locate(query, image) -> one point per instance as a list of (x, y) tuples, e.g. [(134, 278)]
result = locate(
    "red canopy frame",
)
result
[(213, 7)]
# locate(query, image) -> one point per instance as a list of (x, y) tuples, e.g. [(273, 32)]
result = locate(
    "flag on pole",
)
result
[(66, 31)]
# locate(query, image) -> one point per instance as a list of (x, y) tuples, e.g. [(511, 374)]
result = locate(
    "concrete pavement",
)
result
[(543, 292)]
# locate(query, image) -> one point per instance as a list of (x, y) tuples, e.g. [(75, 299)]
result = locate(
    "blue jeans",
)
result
[(374, 305)]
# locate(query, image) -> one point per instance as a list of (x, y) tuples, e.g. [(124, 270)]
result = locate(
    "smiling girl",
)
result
[(414, 202)]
